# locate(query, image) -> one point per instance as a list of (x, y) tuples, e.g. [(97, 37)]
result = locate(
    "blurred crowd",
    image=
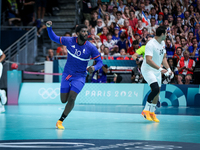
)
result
[(120, 30), (28, 12)]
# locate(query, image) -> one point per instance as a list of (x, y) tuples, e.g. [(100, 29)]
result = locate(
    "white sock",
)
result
[(153, 108), (147, 106)]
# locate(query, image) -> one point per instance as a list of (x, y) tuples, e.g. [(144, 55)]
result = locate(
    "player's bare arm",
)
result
[(134, 56), (151, 63), (165, 63), (3, 56)]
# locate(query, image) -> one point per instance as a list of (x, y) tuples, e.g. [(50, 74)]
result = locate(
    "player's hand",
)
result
[(49, 23), (91, 69), (164, 71), (168, 73), (172, 75)]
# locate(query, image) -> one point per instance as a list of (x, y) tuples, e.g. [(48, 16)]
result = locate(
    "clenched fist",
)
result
[(49, 23), (91, 69)]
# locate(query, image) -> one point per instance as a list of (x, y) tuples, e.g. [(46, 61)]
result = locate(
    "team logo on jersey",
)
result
[(161, 51)]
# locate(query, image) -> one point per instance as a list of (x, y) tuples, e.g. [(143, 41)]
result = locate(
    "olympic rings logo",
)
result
[(49, 93)]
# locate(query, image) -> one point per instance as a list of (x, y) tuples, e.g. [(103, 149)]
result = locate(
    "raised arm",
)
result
[(51, 34)]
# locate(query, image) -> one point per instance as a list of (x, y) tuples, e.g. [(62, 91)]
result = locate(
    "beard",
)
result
[(83, 38), (122, 37)]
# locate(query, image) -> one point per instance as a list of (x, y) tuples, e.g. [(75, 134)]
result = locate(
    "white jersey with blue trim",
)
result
[(78, 56)]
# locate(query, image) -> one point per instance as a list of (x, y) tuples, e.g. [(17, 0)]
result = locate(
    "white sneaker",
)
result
[(2, 109), (3, 97)]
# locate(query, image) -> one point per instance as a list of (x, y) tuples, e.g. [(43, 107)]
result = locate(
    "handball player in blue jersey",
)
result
[(79, 53)]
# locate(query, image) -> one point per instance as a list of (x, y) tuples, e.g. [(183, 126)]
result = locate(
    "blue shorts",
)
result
[(70, 83)]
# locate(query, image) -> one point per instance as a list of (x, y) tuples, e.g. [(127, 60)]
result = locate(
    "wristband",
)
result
[(48, 25), (169, 70), (160, 69)]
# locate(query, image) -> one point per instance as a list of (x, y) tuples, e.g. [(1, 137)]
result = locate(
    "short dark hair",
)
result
[(79, 27), (183, 38), (135, 42), (109, 34), (194, 38), (180, 48), (160, 30), (119, 12), (68, 33), (190, 32), (131, 11), (168, 39), (115, 7)]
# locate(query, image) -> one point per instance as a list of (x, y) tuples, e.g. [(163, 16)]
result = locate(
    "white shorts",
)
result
[(152, 76), (1, 69)]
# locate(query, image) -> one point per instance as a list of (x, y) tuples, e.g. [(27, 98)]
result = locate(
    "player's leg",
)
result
[(2, 94), (70, 103), (156, 98), (150, 78), (2, 109), (64, 94), (76, 87)]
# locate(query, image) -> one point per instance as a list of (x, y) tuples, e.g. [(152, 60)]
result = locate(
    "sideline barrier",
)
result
[(171, 95)]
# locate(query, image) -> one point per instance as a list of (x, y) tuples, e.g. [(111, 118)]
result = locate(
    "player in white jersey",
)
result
[(155, 55), (2, 92)]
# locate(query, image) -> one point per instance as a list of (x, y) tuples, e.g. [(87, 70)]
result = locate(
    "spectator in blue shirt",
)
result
[(122, 43), (170, 48), (194, 49), (116, 37)]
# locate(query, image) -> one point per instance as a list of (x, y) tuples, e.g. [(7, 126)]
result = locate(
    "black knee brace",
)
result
[(154, 91)]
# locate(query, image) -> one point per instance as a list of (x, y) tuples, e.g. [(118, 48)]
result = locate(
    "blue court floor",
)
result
[(90, 127)]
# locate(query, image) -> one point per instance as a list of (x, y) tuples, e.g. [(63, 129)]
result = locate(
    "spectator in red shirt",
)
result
[(131, 50), (104, 35), (133, 20), (139, 27), (177, 56), (185, 68), (126, 27)]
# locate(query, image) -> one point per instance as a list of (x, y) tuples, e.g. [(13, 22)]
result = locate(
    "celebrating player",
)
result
[(2, 92), (74, 74), (155, 54)]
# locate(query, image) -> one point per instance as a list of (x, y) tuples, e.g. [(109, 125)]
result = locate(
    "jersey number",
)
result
[(77, 52)]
